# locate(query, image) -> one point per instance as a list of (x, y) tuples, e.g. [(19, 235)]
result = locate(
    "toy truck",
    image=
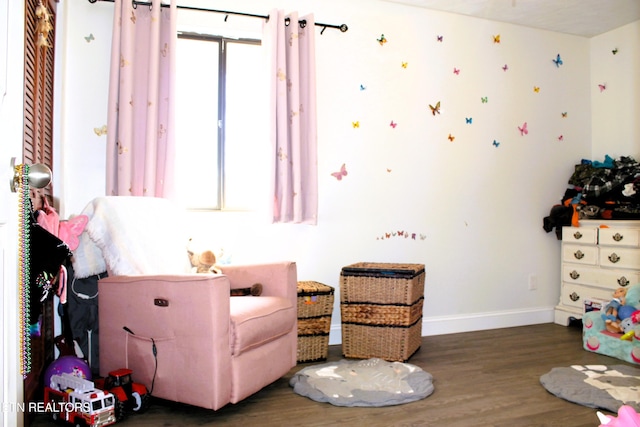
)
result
[(129, 395), (77, 401)]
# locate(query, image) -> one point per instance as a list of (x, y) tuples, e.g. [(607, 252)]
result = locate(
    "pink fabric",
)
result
[(140, 131), (193, 332), (293, 120)]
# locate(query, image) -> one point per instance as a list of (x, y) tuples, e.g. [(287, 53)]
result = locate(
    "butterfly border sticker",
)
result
[(523, 130), (558, 61), (435, 109), (341, 173)]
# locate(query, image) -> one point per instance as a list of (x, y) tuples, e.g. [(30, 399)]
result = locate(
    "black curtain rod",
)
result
[(343, 28)]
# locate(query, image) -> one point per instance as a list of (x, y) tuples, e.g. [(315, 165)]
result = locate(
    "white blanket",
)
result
[(131, 236)]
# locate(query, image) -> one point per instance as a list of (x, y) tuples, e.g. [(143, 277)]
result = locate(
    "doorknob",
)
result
[(39, 175)]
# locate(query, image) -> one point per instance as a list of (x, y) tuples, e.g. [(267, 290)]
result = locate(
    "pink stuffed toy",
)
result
[(627, 417)]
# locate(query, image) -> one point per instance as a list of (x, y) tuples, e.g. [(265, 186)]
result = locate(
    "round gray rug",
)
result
[(371, 382)]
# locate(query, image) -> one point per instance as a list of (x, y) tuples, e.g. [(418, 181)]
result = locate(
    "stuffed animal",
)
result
[(203, 262), (610, 311)]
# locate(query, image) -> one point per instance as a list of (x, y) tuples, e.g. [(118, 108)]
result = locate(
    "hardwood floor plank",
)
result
[(485, 378)]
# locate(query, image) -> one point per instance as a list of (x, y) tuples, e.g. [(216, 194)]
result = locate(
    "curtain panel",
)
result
[(293, 133), (140, 131)]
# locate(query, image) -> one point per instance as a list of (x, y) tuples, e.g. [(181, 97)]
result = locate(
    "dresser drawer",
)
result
[(586, 235), (575, 295), (580, 254), (619, 236), (606, 278), (619, 257)]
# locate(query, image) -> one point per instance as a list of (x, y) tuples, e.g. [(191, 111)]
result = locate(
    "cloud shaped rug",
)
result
[(595, 386), (370, 382)]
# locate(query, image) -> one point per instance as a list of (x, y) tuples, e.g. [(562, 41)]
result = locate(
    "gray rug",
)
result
[(595, 386), (371, 382)]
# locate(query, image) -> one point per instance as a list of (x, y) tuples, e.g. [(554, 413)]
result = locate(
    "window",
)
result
[(222, 144)]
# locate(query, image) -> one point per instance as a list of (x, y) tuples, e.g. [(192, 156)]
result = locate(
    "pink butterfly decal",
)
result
[(561, 138), (456, 70), (343, 172), (602, 87), (523, 130), (440, 39), (393, 124), (505, 68), (70, 230)]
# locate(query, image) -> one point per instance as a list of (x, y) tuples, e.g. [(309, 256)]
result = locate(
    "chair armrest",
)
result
[(277, 278)]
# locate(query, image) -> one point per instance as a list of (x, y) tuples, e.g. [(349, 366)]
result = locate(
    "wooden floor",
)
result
[(487, 378)]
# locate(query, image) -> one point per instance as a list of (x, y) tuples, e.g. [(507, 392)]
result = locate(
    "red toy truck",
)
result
[(77, 401), (129, 395)]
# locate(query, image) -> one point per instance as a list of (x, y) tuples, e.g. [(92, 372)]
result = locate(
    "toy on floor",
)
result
[(129, 395), (610, 311), (627, 417)]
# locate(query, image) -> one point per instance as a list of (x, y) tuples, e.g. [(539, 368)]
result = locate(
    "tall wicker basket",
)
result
[(381, 310), (315, 305)]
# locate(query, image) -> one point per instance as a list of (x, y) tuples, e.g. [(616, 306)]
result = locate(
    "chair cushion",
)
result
[(258, 320)]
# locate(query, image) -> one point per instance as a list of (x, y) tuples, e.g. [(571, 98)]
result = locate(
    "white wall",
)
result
[(615, 111), (479, 207)]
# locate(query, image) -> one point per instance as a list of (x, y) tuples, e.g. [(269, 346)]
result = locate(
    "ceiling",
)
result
[(586, 18)]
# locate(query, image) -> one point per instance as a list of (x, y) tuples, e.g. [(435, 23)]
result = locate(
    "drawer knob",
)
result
[(618, 237), (574, 297), (614, 258), (577, 235), (574, 275), (578, 254), (623, 281)]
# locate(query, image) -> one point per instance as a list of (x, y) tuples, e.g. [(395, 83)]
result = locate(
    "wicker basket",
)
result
[(381, 309), (315, 305), (382, 283), (392, 343)]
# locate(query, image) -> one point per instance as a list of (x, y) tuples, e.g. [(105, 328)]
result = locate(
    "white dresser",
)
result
[(597, 257)]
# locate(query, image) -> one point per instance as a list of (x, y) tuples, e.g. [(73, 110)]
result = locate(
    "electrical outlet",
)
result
[(533, 282)]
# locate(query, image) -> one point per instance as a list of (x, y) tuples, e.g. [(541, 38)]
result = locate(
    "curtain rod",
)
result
[(343, 28)]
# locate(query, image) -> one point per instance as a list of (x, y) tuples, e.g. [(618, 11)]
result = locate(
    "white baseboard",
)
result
[(471, 322)]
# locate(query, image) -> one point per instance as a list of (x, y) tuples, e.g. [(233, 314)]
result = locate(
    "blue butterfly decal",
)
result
[(558, 61), (469, 120), (496, 143)]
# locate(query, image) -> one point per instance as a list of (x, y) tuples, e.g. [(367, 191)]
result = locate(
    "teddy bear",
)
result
[(205, 262)]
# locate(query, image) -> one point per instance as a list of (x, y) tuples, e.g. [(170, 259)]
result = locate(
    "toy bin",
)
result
[(315, 305), (381, 310)]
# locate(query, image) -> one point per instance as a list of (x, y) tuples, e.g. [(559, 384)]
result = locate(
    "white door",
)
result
[(11, 118)]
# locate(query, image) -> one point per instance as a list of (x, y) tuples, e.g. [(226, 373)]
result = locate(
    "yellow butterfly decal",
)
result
[(435, 109), (536, 89), (496, 38), (101, 131), (355, 124), (404, 64), (451, 137)]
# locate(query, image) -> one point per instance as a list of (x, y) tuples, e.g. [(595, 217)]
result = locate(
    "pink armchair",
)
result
[(182, 334)]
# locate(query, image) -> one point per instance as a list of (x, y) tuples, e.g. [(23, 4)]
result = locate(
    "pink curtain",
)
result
[(291, 50), (140, 141)]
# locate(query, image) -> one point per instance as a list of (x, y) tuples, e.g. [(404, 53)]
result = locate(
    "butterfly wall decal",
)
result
[(561, 138), (100, 131), (564, 114), (451, 137), (557, 61), (382, 40), (505, 67), (536, 89), (341, 173), (496, 38), (393, 124), (484, 99), (496, 143), (469, 120), (456, 70), (89, 38), (363, 87), (355, 124), (404, 64), (435, 109), (602, 87), (439, 38), (523, 130), (615, 51)]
